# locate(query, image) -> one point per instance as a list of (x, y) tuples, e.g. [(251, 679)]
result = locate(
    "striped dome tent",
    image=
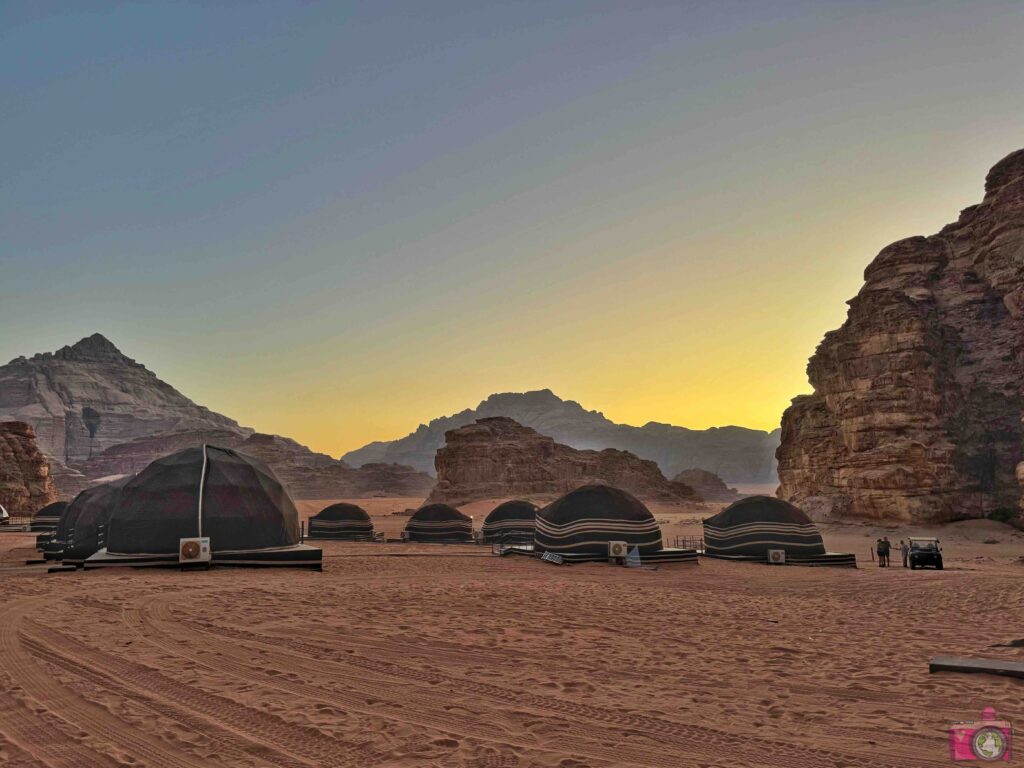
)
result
[(748, 528), (583, 522), (515, 519), (439, 523), (346, 522), (47, 518)]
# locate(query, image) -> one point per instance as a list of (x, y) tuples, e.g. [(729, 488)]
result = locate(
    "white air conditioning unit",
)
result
[(194, 551), (617, 549), (777, 556)]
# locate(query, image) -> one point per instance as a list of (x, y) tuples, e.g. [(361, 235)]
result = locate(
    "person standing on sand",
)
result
[(886, 546), (905, 551), (878, 551)]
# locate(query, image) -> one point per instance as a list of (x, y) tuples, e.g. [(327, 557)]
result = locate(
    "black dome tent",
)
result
[(93, 508), (219, 493), (516, 519), (346, 522), (439, 524), (748, 528), (54, 546), (583, 521), (46, 519)]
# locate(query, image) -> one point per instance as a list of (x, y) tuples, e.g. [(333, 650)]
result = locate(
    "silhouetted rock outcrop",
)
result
[(707, 485), (737, 454), (917, 404), (499, 458)]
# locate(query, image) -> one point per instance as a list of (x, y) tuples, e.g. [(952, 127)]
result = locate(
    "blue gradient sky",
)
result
[(334, 221)]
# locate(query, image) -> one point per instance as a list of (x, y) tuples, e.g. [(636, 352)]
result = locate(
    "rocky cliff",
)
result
[(99, 413), (917, 404), (25, 483), (497, 458), (737, 454), (307, 474), (707, 485)]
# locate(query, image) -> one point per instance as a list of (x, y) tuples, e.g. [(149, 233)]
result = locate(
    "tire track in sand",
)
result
[(84, 716), (197, 710), (685, 738)]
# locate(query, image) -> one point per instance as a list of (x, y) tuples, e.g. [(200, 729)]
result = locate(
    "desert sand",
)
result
[(420, 655)]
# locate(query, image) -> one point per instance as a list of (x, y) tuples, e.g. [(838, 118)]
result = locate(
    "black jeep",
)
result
[(925, 552)]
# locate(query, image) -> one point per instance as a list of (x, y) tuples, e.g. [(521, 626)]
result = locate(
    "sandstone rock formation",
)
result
[(307, 474), (737, 454), (707, 485), (88, 397), (25, 484), (497, 457), (917, 404), (99, 413)]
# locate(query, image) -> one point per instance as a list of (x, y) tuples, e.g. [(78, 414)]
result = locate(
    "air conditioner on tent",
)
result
[(617, 549), (777, 556), (194, 551)]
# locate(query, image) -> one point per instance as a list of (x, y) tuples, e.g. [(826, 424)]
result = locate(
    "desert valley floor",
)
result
[(418, 655)]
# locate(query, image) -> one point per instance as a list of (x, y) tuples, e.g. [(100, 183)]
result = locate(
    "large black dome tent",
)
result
[(750, 527), (439, 524), (512, 520), (233, 499), (346, 522)]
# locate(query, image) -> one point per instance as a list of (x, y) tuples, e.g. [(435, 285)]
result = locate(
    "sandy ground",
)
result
[(418, 655)]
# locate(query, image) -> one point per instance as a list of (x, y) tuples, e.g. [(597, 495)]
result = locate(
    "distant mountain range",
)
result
[(736, 454), (98, 413)]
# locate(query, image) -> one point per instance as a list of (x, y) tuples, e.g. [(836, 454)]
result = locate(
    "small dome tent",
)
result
[(439, 524), (47, 518), (233, 499), (92, 514), (584, 520), (54, 546), (5, 516), (345, 522), (748, 528), (516, 519)]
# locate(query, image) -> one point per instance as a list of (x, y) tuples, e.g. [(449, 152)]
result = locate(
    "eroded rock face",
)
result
[(917, 404), (307, 474), (99, 413), (498, 458), (87, 397), (737, 454), (25, 484), (707, 485)]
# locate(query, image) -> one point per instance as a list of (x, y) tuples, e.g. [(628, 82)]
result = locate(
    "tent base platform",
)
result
[(339, 537), (652, 558), (966, 664), (462, 540), (298, 556), (828, 560)]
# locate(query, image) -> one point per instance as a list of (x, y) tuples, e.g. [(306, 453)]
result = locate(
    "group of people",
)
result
[(882, 547)]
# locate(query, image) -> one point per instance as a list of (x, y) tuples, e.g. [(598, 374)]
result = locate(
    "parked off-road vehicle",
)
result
[(925, 552)]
